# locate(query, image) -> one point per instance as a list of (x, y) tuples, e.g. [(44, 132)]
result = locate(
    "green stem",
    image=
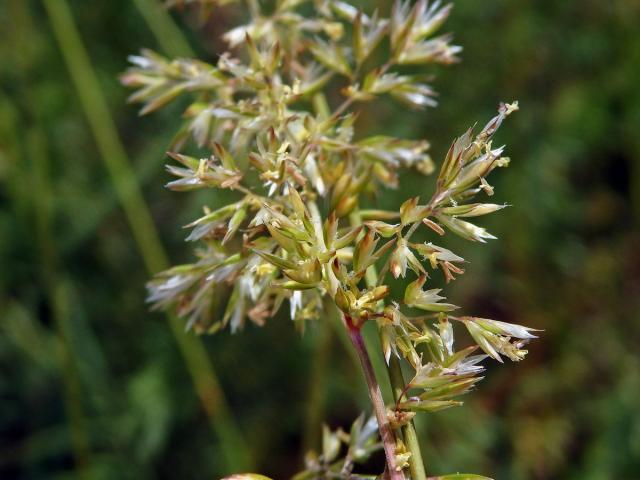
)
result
[(416, 463), (125, 183)]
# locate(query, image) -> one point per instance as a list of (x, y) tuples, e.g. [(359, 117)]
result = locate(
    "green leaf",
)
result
[(461, 476), (246, 476)]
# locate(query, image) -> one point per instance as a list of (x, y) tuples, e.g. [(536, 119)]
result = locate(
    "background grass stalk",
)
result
[(165, 31), (57, 297), (144, 231), (36, 149), (171, 41)]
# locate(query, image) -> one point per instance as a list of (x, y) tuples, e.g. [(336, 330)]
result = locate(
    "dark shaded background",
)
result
[(94, 386)]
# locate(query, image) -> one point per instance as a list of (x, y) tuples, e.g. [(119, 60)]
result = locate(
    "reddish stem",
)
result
[(402, 394), (386, 432)]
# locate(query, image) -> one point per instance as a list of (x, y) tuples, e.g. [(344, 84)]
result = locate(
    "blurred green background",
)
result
[(92, 385)]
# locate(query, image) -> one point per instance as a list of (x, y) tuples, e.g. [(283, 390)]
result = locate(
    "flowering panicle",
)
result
[(295, 231)]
